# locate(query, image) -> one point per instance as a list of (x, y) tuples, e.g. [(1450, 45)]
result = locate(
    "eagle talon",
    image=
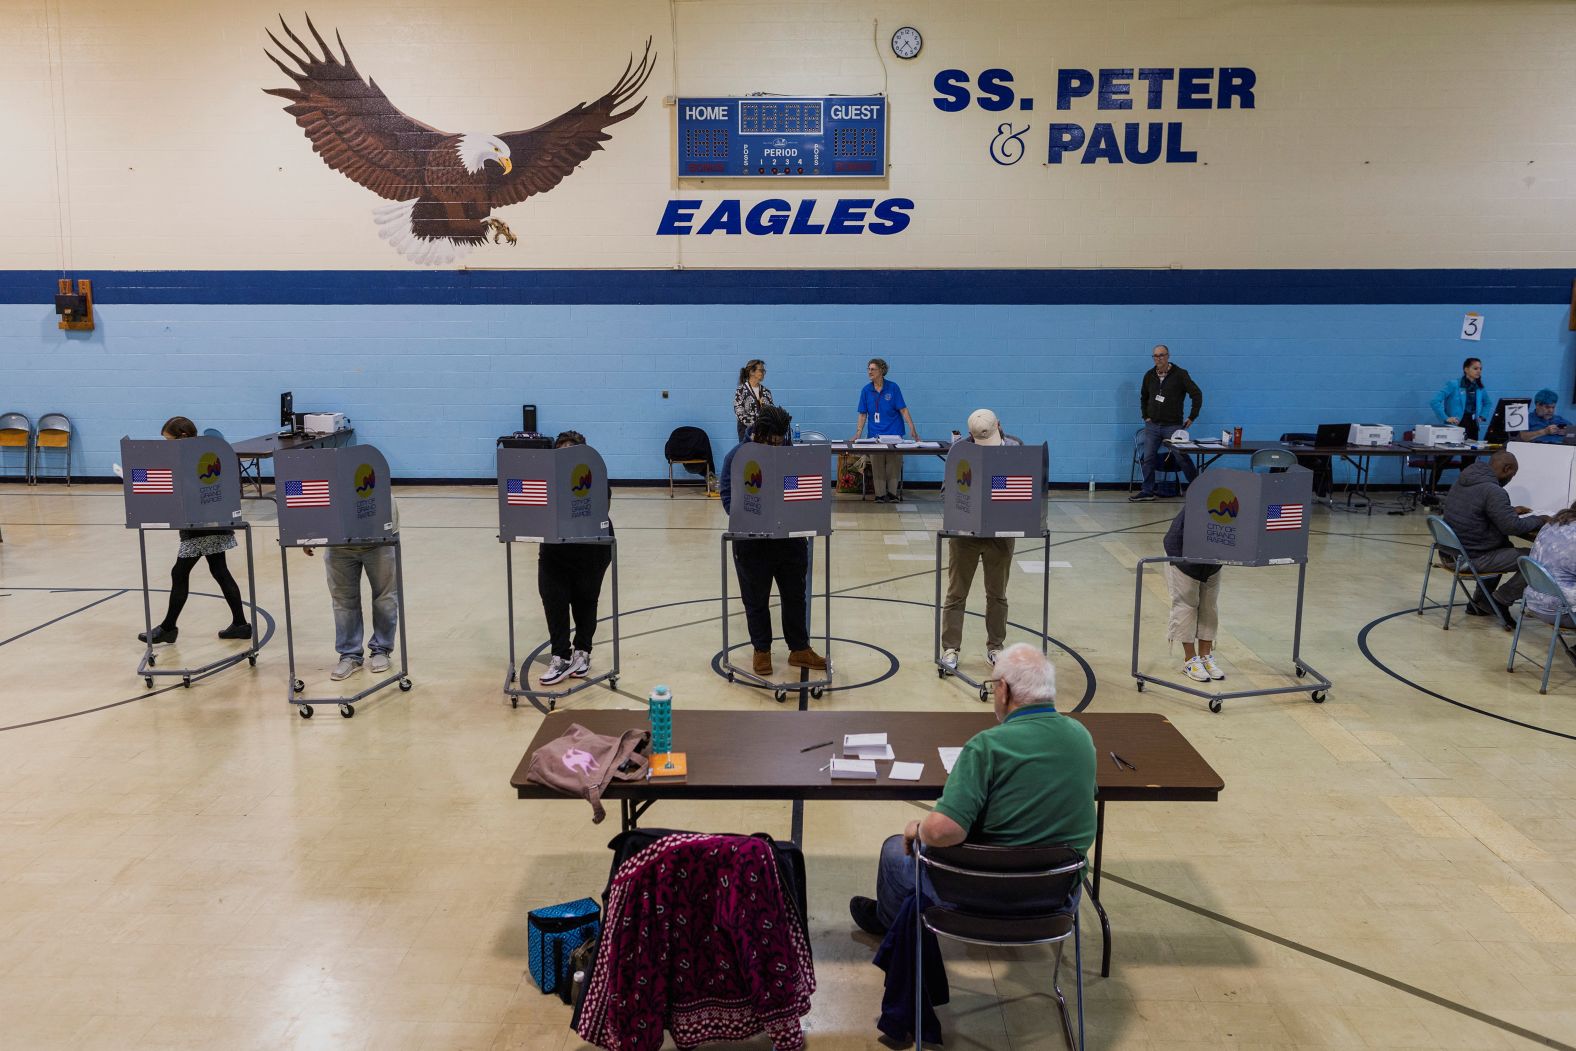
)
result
[(500, 231)]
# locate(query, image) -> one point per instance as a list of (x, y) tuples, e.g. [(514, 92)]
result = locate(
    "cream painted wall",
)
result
[(1399, 134)]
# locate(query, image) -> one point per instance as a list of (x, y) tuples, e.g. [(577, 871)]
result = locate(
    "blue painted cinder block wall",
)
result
[(431, 370)]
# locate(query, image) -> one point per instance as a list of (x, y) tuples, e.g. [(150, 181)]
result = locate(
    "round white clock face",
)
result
[(906, 42)]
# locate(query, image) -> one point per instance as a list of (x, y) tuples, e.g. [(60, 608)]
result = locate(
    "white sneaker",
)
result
[(579, 663), (1210, 666), (557, 668), (1195, 670), (344, 669), (990, 656), (380, 663), (949, 660)]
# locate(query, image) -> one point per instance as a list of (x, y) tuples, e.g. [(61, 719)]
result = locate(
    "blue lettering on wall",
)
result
[(847, 215)]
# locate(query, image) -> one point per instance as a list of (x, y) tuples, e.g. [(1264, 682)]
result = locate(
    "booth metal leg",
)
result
[(293, 685), (147, 609), (1045, 593), (508, 577)]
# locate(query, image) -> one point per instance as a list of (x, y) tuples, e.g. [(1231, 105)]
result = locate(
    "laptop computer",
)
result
[(1332, 435), (1495, 434)]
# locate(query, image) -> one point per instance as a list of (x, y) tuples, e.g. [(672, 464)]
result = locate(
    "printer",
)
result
[(324, 422), (1370, 434), (1436, 434)]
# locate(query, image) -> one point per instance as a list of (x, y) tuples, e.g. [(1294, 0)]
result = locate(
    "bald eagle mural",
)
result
[(443, 187)]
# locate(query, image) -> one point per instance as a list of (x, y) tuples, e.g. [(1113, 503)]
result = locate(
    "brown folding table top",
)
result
[(265, 446), (757, 754)]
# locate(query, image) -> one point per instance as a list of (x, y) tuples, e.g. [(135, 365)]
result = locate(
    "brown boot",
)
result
[(763, 662), (807, 658)]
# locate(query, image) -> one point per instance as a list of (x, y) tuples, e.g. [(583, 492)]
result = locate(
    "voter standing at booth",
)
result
[(965, 554), (758, 562), (196, 544), (883, 410), (569, 580), (1195, 606), (344, 565)]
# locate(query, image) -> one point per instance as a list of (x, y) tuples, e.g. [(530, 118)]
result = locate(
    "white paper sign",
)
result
[(1472, 326), (1516, 416)]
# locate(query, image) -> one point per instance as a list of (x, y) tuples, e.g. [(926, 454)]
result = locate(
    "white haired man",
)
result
[(1028, 781)]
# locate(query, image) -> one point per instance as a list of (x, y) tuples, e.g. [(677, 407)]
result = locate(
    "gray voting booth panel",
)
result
[(1244, 518), (552, 495), (995, 490), (780, 491), (193, 483), (333, 496)]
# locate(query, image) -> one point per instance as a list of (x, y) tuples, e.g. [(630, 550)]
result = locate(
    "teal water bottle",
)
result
[(660, 706)]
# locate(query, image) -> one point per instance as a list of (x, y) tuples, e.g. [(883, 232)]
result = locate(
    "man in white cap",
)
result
[(965, 553)]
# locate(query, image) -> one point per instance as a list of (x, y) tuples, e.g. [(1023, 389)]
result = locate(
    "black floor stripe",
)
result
[(1355, 968), (63, 616), (1362, 644)]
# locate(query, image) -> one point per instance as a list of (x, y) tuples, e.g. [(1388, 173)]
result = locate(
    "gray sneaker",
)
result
[(579, 663), (379, 663), (557, 668), (344, 669), (949, 660)]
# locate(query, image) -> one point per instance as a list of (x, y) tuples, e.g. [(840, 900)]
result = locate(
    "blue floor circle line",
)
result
[(1362, 644)]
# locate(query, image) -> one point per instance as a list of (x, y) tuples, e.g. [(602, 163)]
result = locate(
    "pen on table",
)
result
[(1120, 762), (813, 747)]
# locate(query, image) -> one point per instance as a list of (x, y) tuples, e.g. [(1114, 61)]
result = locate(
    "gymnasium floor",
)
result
[(201, 868)]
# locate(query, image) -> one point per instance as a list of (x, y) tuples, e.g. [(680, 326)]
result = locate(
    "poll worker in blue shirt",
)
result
[(1550, 429), (881, 404)]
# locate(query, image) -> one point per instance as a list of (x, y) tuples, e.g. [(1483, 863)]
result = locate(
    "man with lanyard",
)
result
[(1160, 401), (1028, 781)]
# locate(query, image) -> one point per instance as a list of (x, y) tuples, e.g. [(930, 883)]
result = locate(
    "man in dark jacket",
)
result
[(1479, 510), (1160, 404)]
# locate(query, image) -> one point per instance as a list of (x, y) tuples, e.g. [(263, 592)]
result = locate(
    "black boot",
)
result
[(239, 630), (160, 634)]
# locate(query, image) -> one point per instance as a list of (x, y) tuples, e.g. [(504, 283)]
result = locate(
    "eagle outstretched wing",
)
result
[(546, 154), (352, 124)]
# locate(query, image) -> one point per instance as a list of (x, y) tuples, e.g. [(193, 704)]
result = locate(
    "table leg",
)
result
[(796, 831), (1094, 890)]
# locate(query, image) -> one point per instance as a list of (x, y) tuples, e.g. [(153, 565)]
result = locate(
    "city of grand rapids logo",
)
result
[(208, 468), (965, 476), (1223, 506), (580, 481), (752, 478), (366, 481)]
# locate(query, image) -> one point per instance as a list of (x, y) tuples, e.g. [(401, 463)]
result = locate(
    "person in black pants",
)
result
[(196, 545), (569, 580), (1160, 401), (760, 562)]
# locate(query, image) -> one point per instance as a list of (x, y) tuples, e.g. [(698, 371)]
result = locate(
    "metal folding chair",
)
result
[(16, 432), (54, 432), (981, 890), (1540, 580), (1448, 546)]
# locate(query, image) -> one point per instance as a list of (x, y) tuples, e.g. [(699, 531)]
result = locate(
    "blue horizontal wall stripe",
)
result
[(764, 287)]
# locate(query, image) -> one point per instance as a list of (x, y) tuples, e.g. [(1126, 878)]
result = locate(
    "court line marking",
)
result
[(63, 616)]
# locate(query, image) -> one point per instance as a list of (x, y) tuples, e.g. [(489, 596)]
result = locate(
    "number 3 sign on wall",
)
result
[(1472, 326)]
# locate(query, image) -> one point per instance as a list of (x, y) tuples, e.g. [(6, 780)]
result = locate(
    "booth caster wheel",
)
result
[(514, 702), (1140, 685), (612, 682), (1214, 704), (149, 680), (305, 711), (405, 685), (152, 661), (347, 711), (816, 692), (941, 673), (1301, 671), (186, 681), (984, 694), (251, 658), (298, 686), (780, 696), (730, 676), (1319, 696)]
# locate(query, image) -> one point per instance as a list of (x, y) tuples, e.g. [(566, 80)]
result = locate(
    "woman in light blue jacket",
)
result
[(1465, 401)]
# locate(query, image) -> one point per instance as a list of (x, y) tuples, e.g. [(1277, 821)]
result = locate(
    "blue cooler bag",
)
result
[(553, 933)]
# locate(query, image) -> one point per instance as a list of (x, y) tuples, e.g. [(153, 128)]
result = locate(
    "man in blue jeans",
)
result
[(344, 566), (1026, 782), (1160, 401)]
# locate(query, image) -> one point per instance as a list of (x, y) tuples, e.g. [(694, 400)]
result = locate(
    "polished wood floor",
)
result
[(202, 868)]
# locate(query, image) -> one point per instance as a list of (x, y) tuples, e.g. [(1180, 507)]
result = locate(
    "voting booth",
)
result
[(337, 498), (993, 492), (1244, 518), (189, 483), (781, 492), (552, 496)]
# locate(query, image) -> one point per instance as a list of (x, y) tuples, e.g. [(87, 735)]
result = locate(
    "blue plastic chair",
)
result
[(1538, 579), (1448, 546)]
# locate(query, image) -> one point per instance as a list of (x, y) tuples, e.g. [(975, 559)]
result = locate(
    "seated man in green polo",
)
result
[(1026, 782)]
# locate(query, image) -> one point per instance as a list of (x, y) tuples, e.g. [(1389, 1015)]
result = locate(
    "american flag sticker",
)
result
[(802, 487), (152, 480), (1283, 516), (526, 492), (1011, 487), (308, 493)]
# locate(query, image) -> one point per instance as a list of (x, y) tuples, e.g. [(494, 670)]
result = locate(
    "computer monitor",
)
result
[(528, 419), (1520, 420), (1332, 435), (287, 412)]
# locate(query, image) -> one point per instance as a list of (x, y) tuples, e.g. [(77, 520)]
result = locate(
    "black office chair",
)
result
[(985, 891)]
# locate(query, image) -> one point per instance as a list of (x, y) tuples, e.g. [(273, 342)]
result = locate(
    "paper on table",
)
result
[(858, 768), (870, 751), (853, 741), (948, 757), (906, 771)]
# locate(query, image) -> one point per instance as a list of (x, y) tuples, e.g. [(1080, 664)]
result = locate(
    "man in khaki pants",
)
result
[(965, 553)]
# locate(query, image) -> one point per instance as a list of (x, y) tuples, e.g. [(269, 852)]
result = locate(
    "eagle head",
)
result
[(476, 150)]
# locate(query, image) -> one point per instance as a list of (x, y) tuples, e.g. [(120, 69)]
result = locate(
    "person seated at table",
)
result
[(1479, 510), (758, 562), (964, 555), (1195, 606), (1555, 551), (569, 580), (1028, 781), (881, 404), (1550, 429)]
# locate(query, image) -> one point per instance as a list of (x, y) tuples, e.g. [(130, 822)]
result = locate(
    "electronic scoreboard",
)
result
[(826, 137)]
